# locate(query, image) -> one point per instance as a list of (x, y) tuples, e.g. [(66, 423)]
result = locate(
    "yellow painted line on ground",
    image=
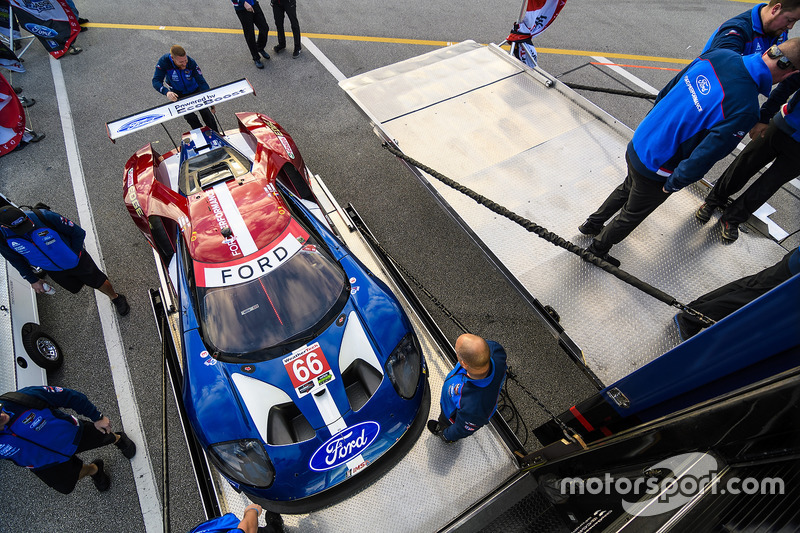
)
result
[(388, 40)]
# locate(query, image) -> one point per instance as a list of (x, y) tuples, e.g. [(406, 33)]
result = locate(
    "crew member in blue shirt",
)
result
[(698, 118), (36, 434), (776, 140), (755, 30), (53, 243), (471, 390), (229, 523), (723, 301), (178, 76)]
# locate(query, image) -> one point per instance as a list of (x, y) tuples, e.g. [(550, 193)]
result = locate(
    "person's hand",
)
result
[(173, 97), (255, 506), (104, 425), (664, 188), (213, 109), (38, 286), (248, 7), (758, 130)]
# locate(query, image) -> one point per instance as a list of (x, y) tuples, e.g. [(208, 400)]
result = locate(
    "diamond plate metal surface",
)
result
[(8, 379), (433, 483), (550, 156)]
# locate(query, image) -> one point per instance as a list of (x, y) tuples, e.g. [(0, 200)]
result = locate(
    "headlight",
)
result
[(244, 461), (403, 367)]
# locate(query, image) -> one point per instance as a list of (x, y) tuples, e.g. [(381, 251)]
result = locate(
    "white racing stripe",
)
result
[(334, 420), (235, 220), (128, 408)]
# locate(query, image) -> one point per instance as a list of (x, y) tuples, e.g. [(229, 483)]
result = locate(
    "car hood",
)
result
[(232, 401)]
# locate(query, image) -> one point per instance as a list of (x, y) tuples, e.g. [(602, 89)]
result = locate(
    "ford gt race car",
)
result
[(300, 368)]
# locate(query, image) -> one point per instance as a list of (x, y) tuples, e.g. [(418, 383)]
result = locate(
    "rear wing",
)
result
[(156, 115)]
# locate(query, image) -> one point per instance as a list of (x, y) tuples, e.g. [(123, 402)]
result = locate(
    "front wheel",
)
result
[(41, 347)]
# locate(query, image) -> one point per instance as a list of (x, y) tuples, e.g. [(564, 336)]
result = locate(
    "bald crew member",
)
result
[(471, 390)]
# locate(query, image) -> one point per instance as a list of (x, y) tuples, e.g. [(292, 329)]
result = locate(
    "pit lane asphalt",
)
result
[(111, 79)]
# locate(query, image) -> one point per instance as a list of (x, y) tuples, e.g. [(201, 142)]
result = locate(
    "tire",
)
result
[(41, 347)]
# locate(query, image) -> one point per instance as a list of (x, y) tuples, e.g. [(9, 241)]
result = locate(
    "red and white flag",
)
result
[(52, 21), (12, 118), (536, 15)]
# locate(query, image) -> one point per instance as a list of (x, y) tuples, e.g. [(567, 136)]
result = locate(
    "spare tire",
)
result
[(41, 347)]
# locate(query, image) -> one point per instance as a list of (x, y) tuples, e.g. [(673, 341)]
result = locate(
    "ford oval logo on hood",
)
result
[(41, 31), (344, 446)]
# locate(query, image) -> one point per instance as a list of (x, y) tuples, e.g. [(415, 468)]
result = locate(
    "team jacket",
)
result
[(54, 246), (788, 120), (238, 5), (168, 77), (744, 34), (37, 438), (470, 403), (699, 117)]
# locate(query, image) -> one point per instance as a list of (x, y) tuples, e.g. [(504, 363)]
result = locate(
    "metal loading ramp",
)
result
[(526, 141)]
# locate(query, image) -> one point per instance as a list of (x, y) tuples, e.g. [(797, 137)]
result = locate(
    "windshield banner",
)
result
[(157, 115)]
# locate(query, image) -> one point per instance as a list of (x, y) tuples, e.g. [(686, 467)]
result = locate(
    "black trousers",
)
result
[(635, 199), (775, 146), (250, 21), (194, 122), (289, 8), (64, 476), (723, 301)]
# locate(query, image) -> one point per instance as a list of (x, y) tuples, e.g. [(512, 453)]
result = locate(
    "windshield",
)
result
[(280, 306), (216, 165)]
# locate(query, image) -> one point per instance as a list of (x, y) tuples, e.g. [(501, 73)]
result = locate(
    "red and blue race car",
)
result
[(301, 371)]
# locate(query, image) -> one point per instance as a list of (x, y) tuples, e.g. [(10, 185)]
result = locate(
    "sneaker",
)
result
[(685, 330), (258, 63), (433, 427), (82, 20), (590, 228), (278, 47), (126, 445), (101, 479), (264, 53), (296, 53), (603, 255), (704, 212), (121, 303), (730, 230)]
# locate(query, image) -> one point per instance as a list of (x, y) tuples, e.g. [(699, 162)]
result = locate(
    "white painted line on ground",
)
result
[(322, 58), (627, 75), (128, 408)]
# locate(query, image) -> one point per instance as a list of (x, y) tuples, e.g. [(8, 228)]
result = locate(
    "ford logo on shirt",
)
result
[(344, 446), (41, 31), (139, 122), (703, 85)]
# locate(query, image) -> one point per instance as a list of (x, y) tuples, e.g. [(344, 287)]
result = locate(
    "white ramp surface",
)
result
[(488, 122)]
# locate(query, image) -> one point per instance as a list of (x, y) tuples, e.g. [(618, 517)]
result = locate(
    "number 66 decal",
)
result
[(308, 368)]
